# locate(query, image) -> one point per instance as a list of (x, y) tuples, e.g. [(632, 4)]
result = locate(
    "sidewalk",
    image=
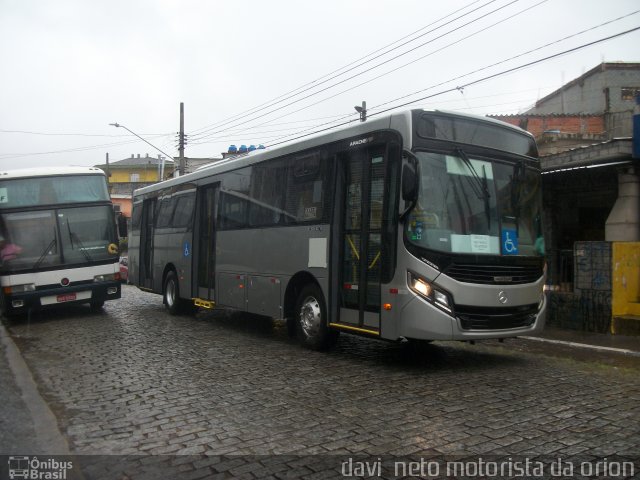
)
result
[(26, 422), (622, 344)]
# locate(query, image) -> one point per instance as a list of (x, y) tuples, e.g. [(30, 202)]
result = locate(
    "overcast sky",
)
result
[(72, 67)]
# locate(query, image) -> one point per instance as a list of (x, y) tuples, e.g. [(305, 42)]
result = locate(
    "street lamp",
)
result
[(119, 125)]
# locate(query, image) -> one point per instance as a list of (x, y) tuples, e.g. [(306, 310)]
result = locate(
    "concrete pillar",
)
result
[(623, 223)]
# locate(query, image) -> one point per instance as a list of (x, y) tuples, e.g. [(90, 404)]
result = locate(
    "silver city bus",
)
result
[(418, 225)]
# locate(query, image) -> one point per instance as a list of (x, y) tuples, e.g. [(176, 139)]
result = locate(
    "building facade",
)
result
[(134, 172), (591, 188)]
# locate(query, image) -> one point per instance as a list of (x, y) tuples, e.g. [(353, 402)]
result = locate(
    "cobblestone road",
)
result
[(134, 380)]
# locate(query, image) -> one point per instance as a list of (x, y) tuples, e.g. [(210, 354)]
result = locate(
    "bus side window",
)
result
[(306, 188), (183, 213), (165, 212), (233, 211), (136, 217)]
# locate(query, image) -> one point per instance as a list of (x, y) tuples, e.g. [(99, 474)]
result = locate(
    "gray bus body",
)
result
[(325, 233)]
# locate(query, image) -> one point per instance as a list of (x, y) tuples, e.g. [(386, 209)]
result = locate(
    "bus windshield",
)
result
[(476, 206), (58, 237), (43, 191)]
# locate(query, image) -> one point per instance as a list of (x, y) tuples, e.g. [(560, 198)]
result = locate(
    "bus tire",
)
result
[(96, 305), (172, 300), (311, 320)]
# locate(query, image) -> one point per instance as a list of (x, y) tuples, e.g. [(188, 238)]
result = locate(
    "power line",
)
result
[(80, 134), (360, 73), (9, 156), (510, 58), (398, 68), (421, 58), (474, 82), (315, 82)]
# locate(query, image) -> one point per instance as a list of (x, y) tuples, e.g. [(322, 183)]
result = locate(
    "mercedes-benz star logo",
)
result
[(502, 297)]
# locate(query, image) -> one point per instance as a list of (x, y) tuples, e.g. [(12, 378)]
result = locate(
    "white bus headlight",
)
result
[(427, 291), (27, 287), (108, 277)]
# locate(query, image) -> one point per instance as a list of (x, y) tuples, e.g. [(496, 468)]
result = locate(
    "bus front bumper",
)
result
[(93, 293), (438, 325)]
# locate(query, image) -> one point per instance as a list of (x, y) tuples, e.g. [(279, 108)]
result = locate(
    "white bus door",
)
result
[(361, 245)]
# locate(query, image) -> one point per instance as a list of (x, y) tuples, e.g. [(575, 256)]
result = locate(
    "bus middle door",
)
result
[(205, 259)]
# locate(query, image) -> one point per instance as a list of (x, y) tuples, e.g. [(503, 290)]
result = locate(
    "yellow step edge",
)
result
[(354, 329)]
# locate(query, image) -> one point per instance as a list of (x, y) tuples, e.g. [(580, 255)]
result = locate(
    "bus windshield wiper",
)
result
[(478, 185), (45, 252), (73, 236)]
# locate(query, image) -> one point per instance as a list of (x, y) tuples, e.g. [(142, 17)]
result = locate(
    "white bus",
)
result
[(58, 242), (418, 225)]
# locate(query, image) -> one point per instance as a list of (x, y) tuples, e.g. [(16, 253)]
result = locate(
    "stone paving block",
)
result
[(137, 380)]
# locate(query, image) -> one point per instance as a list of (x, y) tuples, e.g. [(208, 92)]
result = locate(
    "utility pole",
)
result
[(362, 110), (181, 141)]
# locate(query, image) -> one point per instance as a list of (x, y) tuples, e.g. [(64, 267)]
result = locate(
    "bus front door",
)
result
[(361, 245), (146, 243)]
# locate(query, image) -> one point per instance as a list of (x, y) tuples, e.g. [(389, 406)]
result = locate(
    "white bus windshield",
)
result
[(42, 191), (476, 206), (57, 237)]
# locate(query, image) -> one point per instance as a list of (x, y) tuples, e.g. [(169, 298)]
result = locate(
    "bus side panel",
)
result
[(133, 252), (265, 266), (172, 250)]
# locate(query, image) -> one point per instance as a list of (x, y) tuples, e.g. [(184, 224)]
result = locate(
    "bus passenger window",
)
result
[(183, 213), (306, 188), (165, 212), (233, 213)]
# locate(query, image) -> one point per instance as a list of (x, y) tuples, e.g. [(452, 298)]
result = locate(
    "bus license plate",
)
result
[(67, 297)]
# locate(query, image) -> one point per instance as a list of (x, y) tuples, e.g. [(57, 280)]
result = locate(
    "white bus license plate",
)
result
[(65, 297)]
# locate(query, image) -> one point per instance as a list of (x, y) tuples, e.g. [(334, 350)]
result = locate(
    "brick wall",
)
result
[(538, 124)]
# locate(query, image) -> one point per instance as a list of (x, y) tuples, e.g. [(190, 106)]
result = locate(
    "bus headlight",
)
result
[(107, 277), (27, 287), (430, 293)]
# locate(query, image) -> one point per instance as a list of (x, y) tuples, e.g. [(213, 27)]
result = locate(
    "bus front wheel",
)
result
[(312, 322)]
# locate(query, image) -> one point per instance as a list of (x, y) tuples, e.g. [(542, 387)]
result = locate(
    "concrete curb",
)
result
[(599, 348), (49, 438)]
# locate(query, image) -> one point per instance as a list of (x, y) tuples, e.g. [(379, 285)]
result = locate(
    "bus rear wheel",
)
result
[(311, 320), (172, 301)]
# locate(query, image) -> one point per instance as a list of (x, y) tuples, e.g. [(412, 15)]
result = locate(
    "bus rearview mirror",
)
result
[(409, 183)]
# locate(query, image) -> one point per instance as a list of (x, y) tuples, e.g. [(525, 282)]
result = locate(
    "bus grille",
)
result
[(489, 318), (494, 274)]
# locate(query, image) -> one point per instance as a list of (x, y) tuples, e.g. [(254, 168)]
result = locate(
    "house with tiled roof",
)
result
[(134, 172)]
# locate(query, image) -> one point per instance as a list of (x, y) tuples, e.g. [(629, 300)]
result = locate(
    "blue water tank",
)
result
[(252, 148), (232, 149), (242, 149), (261, 147)]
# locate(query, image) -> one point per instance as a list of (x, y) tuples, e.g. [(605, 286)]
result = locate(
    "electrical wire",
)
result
[(321, 79), (468, 84), (393, 70), (9, 156), (420, 58), (264, 114)]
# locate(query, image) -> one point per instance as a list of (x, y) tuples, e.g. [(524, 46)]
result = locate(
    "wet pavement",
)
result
[(134, 380)]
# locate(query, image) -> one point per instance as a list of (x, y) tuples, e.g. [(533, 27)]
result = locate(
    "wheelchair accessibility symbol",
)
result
[(509, 241)]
